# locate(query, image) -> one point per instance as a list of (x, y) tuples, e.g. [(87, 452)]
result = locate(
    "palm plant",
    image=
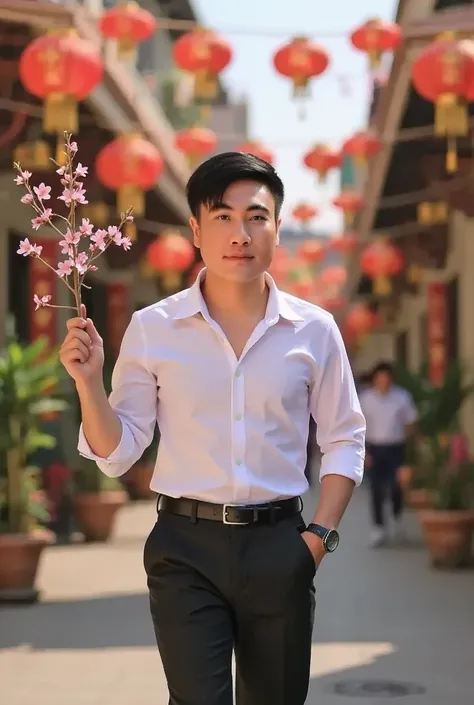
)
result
[(29, 378)]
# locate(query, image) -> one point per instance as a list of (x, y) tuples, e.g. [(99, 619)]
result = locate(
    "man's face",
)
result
[(237, 239), (383, 381)]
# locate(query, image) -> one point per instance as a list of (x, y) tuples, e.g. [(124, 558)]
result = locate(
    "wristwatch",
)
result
[(329, 537)]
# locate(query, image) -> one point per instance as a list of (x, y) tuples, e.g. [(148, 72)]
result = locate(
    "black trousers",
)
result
[(216, 589), (382, 475)]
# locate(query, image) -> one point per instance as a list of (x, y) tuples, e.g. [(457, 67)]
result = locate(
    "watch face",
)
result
[(332, 540)]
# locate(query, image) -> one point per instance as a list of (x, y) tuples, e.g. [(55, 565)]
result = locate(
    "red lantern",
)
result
[(304, 212), (362, 146), (311, 251), (381, 260), (321, 159), (350, 202), (196, 142), (345, 243), (444, 74), (204, 54), (128, 24), (360, 319), (61, 69), (170, 255), (301, 60), (129, 165), (376, 37), (333, 277), (257, 149)]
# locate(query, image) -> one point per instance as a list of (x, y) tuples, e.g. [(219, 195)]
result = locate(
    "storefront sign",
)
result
[(437, 331)]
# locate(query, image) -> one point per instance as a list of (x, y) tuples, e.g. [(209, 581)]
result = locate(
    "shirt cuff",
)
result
[(120, 455), (346, 461)]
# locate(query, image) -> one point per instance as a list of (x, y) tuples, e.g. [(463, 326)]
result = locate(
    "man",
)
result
[(231, 369), (390, 414)]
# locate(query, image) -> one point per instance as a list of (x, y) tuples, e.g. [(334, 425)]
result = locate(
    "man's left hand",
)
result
[(315, 545)]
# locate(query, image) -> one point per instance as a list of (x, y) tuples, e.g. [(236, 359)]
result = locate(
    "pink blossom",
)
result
[(23, 177), (27, 199), (92, 268), (82, 258), (129, 219), (86, 227), (99, 239), (114, 234), (41, 219), (73, 147), (66, 248), (43, 192), (81, 170), (43, 301), (74, 194), (81, 268), (65, 268), (27, 248), (126, 243), (72, 238), (61, 171)]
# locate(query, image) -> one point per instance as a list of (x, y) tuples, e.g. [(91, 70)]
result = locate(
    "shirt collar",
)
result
[(192, 302)]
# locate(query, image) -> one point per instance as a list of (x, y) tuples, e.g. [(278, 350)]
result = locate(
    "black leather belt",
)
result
[(269, 513)]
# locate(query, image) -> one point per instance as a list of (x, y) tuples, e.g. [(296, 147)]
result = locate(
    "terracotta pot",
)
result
[(20, 555), (405, 475), (137, 481), (95, 513), (448, 536), (419, 499)]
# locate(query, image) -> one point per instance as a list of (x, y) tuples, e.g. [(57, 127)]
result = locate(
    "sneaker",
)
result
[(377, 537)]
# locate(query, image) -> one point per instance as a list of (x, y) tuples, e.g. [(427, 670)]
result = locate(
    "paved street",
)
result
[(382, 615)]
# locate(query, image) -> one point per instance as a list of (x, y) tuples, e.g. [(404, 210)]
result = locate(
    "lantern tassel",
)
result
[(300, 86), (382, 286), (451, 116), (374, 59), (452, 156), (126, 49), (171, 280), (131, 196), (60, 114), (424, 213), (131, 231), (205, 86)]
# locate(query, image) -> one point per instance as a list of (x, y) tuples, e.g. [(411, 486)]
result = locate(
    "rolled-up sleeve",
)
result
[(134, 399), (336, 410)]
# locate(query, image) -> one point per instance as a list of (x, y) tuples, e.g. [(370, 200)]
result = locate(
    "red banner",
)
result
[(43, 281), (118, 313), (437, 322)]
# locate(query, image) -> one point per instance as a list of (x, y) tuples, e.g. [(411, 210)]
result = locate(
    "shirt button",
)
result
[(239, 417)]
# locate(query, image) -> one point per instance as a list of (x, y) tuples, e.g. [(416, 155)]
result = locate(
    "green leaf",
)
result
[(35, 440)]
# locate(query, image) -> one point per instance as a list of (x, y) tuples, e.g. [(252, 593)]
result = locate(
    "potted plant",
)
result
[(28, 378), (96, 501), (438, 419), (448, 527)]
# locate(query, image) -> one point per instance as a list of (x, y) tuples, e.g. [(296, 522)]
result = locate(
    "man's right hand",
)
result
[(82, 352)]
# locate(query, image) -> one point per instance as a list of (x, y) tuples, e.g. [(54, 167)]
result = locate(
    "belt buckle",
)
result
[(225, 520)]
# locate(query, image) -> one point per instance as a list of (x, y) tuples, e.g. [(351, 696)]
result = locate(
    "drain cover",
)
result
[(376, 688)]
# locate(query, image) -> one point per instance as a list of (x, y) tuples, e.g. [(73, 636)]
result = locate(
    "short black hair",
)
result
[(212, 178), (383, 367)]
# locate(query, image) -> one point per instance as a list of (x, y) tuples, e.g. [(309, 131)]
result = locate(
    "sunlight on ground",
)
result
[(327, 658)]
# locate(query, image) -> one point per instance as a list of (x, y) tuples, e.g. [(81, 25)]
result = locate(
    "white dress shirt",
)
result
[(387, 415), (234, 430)]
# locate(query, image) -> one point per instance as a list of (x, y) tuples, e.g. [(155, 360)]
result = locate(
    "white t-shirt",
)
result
[(387, 415)]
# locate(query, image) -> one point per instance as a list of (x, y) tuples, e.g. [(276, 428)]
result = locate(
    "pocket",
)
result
[(305, 548)]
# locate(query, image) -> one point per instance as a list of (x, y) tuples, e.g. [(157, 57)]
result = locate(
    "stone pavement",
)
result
[(382, 616)]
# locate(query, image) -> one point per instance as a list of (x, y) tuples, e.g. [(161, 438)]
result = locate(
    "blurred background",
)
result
[(366, 111)]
